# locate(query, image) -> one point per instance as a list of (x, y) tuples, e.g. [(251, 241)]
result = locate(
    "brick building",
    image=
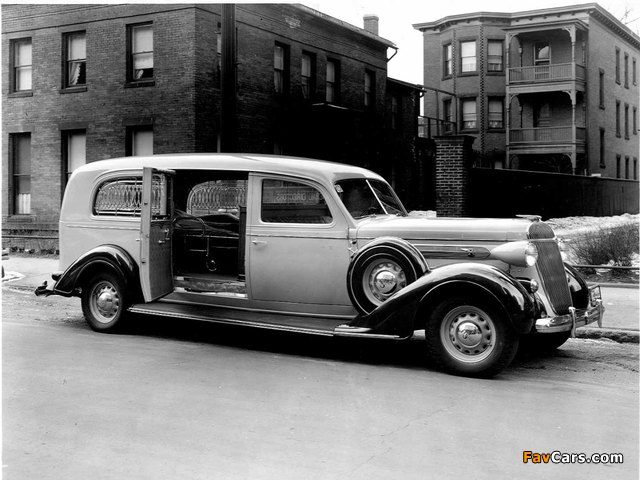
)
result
[(82, 83), (551, 90)]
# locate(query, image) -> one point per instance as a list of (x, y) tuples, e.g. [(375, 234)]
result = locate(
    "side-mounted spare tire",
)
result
[(380, 269)]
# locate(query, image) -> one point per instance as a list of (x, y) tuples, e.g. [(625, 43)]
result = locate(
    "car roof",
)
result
[(319, 170)]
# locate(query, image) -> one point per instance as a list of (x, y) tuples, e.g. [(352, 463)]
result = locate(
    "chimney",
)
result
[(371, 24)]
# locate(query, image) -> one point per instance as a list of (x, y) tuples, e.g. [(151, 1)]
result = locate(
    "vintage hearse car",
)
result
[(310, 246)]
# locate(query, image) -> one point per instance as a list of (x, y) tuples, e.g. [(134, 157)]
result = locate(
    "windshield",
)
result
[(364, 197)]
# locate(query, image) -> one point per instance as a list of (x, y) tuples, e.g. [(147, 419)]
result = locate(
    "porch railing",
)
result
[(546, 73), (546, 135), (429, 127)]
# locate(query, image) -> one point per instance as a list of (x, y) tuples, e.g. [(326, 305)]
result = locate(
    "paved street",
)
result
[(191, 400)]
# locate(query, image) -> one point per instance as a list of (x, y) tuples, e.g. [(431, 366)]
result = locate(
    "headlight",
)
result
[(563, 250), (531, 255), (519, 254)]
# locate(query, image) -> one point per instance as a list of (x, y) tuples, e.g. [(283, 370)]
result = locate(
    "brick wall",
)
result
[(453, 161)]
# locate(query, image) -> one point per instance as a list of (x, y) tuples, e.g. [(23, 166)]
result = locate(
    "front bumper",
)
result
[(576, 317)]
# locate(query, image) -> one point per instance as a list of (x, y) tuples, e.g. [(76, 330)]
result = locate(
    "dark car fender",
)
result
[(405, 311), (102, 258)]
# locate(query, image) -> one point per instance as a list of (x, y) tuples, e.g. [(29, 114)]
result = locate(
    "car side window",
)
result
[(120, 197), (291, 202)]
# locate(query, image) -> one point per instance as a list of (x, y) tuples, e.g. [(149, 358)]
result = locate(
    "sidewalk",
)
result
[(622, 302)]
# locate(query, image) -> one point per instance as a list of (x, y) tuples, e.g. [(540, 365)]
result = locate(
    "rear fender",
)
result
[(405, 311), (102, 258)]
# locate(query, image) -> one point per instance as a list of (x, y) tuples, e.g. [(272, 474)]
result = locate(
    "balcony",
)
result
[(560, 72), (546, 135)]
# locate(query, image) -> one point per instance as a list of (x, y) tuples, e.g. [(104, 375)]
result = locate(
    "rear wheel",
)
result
[(468, 336), (104, 302)]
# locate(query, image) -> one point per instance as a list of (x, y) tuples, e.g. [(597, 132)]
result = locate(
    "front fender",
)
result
[(398, 315), (108, 257)]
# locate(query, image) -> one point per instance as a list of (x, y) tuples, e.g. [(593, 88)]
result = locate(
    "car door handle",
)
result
[(258, 242)]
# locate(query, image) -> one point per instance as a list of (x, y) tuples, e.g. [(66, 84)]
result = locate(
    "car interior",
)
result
[(209, 229)]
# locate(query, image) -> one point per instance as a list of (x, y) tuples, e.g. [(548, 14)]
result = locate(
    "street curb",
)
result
[(617, 335)]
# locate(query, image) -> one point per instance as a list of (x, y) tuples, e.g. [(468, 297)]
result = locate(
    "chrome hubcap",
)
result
[(468, 334), (382, 280), (105, 302)]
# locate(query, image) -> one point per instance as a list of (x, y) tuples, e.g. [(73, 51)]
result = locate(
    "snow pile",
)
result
[(569, 226)]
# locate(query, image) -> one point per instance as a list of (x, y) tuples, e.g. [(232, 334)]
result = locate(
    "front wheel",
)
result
[(104, 302), (467, 336)]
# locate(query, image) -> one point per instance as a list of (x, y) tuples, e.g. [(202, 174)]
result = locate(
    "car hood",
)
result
[(415, 227)]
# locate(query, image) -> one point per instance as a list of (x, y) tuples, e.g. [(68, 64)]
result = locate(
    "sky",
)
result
[(398, 16)]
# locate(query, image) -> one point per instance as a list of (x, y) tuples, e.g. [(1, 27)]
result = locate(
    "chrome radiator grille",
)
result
[(550, 267)]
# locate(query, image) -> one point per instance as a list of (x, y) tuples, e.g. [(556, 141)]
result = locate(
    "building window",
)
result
[(447, 115), (75, 55), (634, 72), (635, 120), (469, 114), (602, 149), (496, 116), (626, 167), (617, 65), (22, 66), (280, 68), (542, 53), (626, 121), (333, 77), (141, 52), (447, 60), (617, 118), (495, 57), (601, 89), (369, 88), (139, 141), (395, 112), (635, 168), (21, 173), (74, 151), (468, 57), (626, 70), (618, 166), (308, 75)]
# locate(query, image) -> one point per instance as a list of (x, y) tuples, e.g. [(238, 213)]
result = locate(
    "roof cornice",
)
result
[(592, 9)]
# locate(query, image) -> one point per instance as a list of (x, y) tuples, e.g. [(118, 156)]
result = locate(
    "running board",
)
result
[(248, 318), (257, 319)]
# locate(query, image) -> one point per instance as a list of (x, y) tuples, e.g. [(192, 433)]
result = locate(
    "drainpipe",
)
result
[(228, 80)]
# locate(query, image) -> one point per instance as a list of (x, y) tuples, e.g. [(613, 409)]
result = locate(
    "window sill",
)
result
[(141, 83), (21, 94), (470, 130), (493, 73), (21, 218), (496, 130), (74, 89), (468, 74)]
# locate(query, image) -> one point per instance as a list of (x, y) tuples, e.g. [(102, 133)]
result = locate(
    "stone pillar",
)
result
[(453, 162)]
